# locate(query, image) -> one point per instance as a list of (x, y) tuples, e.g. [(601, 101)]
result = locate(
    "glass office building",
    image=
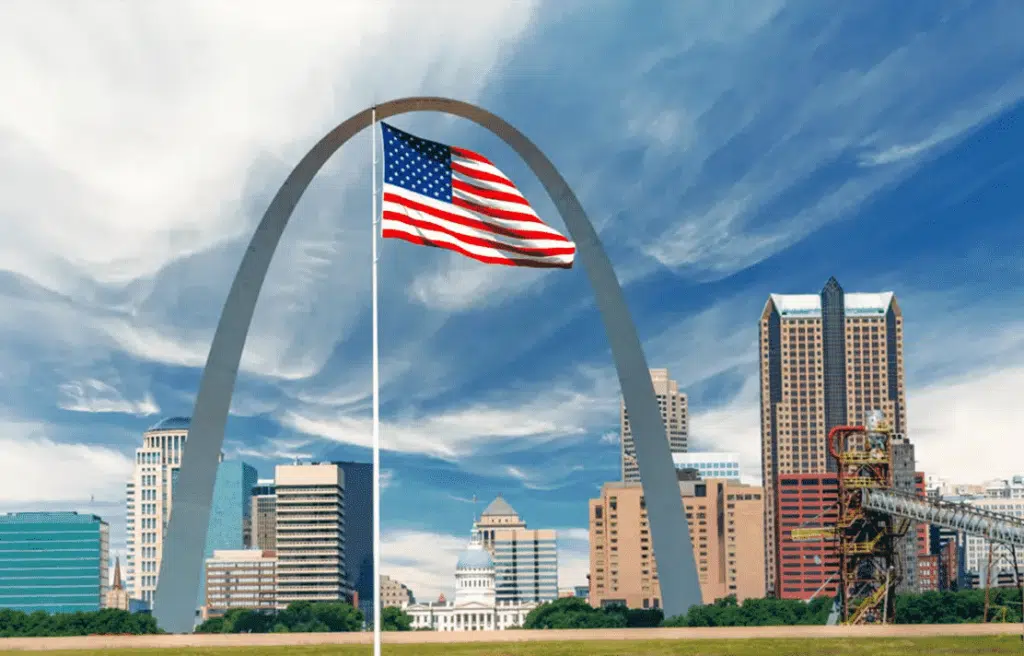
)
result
[(53, 561), (710, 464)]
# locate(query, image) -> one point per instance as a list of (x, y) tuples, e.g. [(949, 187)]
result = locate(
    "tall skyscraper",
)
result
[(673, 414), (726, 528), (264, 516), (150, 500), (525, 560), (826, 359), (53, 561), (358, 513), (310, 533)]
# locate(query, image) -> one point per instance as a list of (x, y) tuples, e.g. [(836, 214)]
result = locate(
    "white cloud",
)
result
[(422, 560), (135, 165), (546, 478), (36, 469), (460, 284), (573, 556), (555, 412), (93, 395), (967, 429)]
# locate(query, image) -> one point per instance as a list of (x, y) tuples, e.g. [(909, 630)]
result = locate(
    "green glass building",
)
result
[(53, 561)]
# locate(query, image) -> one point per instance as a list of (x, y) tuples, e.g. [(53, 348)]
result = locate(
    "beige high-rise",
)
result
[(150, 498), (310, 533), (240, 579), (826, 359), (394, 593), (726, 527), (673, 413)]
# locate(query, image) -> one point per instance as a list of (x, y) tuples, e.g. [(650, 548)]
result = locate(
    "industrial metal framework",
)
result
[(873, 516), (995, 527)]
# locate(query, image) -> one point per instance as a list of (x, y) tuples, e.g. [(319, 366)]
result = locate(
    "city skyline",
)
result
[(728, 166)]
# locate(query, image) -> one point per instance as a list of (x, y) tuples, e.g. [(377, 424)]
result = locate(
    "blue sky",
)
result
[(725, 151)]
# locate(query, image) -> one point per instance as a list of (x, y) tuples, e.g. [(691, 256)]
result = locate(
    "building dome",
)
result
[(171, 423), (474, 557)]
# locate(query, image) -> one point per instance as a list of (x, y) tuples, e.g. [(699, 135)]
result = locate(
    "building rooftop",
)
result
[(499, 508), (172, 423), (64, 517), (800, 306)]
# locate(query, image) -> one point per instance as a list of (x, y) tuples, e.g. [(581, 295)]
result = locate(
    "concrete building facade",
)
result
[(245, 578), (394, 593), (310, 533), (826, 359), (525, 560), (55, 562), (726, 528), (674, 414)]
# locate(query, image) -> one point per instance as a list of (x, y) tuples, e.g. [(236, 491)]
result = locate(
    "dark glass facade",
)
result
[(53, 561), (359, 531), (833, 346)]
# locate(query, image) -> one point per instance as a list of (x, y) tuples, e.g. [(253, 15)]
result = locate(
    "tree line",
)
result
[(304, 617), (964, 606), (18, 624), (950, 607)]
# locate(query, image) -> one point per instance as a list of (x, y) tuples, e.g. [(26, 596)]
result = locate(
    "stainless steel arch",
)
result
[(182, 562)]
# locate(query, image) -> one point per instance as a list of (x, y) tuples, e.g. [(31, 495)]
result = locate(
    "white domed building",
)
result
[(474, 607)]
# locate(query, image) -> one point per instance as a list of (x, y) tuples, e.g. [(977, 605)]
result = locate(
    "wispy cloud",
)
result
[(553, 413), (93, 395)]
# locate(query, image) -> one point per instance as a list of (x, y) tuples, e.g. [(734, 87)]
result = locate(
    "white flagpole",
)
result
[(376, 405)]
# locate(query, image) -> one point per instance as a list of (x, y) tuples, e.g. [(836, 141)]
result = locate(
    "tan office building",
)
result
[(264, 516), (394, 593), (310, 533), (244, 578), (826, 359), (726, 528), (673, 413)]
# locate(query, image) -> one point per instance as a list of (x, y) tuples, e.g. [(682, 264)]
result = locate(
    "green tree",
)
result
[(338, 616), (573, 613), (212, 625), (393, 618)]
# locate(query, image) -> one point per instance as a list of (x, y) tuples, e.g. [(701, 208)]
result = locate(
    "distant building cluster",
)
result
[(827, 360)]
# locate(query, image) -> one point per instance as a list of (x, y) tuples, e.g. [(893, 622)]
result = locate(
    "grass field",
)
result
[(757, 647)]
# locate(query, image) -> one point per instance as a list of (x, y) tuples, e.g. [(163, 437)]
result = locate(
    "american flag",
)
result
[(450, 197)]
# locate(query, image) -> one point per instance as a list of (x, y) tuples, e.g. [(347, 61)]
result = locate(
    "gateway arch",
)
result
[(183, 552)]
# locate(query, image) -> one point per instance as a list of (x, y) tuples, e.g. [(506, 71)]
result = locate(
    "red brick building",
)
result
[(802, 568), (928, 572)]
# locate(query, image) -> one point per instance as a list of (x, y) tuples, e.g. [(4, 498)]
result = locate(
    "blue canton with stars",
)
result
[(417, 165)]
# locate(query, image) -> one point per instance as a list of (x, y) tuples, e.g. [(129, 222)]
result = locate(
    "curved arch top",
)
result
[(184, 544)]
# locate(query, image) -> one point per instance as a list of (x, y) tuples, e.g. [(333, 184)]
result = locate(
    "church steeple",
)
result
[(117, 574)]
